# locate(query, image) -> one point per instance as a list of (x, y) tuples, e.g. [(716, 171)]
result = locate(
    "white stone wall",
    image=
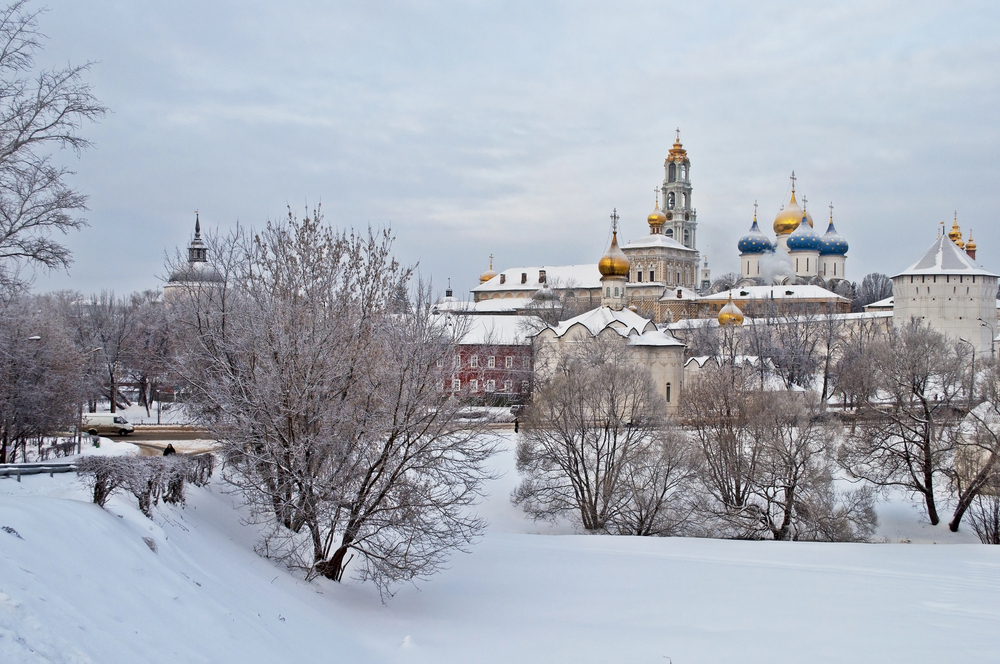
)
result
[(750, 265), (950, 304), (806, 263), (832, 267)]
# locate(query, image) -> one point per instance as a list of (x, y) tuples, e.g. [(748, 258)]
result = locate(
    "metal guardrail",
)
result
[(19, 469)]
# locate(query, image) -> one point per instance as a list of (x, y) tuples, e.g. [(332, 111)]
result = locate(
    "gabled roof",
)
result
[(944, 257), (623, 322)]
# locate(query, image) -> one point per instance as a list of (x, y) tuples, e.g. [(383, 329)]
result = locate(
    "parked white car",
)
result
[(106, 423)]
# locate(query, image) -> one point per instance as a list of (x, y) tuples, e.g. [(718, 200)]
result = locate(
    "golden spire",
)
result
[(971, 244), (755, 211), (955, 234), (677, 152)]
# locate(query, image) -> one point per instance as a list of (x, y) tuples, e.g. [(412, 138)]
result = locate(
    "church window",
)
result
[(491, 362), (835, 269), (684, 198), (687, 238), (670, 232), (668, 392), (652, 276), (608, 292), (670, 201), (616, 291), (473, 385), (638, 276), (684, 172), (672, 172), (807, 264), (796, 264)]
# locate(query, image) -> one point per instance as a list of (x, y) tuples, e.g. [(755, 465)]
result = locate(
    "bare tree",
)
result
[(330, 404), (39, 111), (594, 446), (148, 357), (40, 368), (107, 324), (873, 287), (906, 436)]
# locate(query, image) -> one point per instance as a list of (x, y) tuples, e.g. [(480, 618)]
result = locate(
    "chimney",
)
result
[(524, 277), (503, 278), (541, 276), (679, 293)]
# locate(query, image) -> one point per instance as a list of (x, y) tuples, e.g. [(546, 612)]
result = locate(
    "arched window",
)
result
[(672, 172), (668, 392), (609, 291), (684, 197), (670, 201), (669, 232), (684, 172), (616, 291)]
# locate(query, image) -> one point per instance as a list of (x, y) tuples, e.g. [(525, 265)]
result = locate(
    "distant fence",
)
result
[(19, 469)]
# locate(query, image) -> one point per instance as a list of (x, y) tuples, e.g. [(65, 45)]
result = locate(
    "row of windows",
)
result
[(490, 385), (961, 278), (491, 362)]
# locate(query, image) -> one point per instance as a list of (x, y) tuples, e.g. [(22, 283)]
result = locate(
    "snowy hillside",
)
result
[(81, 584)]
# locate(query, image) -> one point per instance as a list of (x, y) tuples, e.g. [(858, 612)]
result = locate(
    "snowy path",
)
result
[(83, 586)]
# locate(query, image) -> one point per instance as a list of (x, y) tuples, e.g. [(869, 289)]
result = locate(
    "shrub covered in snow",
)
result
[(148, 479)]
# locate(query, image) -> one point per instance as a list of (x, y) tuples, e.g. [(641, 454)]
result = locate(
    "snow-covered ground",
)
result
[(82, 584)]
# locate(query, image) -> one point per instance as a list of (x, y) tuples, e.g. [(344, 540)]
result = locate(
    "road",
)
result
[(151, 440)]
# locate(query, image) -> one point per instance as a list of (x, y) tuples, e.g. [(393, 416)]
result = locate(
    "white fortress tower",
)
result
[(950, 291)]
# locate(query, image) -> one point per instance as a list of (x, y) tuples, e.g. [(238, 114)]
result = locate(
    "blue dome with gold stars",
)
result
[(832, 243), (804, 238), (754, 242)]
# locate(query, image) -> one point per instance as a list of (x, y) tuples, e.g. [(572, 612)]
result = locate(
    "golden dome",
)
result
[(789, 218), (489, 274), (613, 263), (955, 234), (730, 314), (656, 217), (971, 244)]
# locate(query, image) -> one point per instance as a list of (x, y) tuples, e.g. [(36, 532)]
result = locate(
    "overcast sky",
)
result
[(514, 128)]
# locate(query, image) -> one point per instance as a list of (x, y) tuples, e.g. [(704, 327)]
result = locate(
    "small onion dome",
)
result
[(730, 314), (955, 234), (754, 242), (971, 244), (656, 218), (804, 238), (613, 263), (832, 244), (789, 218), (489, 274)]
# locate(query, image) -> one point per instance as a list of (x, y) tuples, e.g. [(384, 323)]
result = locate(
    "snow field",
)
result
[(83, 586)]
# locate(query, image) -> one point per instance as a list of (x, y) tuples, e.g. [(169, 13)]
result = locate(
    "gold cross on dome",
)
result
[(614, 220)]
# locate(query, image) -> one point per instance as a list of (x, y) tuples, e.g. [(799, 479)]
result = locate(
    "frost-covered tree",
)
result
[(907, 431), (330, 402), (40, 110), (595, 447)]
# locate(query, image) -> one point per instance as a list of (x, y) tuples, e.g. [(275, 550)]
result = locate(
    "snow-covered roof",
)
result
[(791, 292), (495, 330), (944, 257), (672, 294), (506, 304), (559, 276), (881, 304), (656, 241), (625, 322), (654, 338)]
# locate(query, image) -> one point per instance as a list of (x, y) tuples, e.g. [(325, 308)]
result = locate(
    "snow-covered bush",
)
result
[(148, 479)]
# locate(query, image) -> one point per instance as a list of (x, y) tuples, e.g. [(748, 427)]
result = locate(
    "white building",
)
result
[(950, 291)]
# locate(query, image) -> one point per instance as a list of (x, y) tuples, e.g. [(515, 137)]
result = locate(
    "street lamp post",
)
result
[(993, 336)]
